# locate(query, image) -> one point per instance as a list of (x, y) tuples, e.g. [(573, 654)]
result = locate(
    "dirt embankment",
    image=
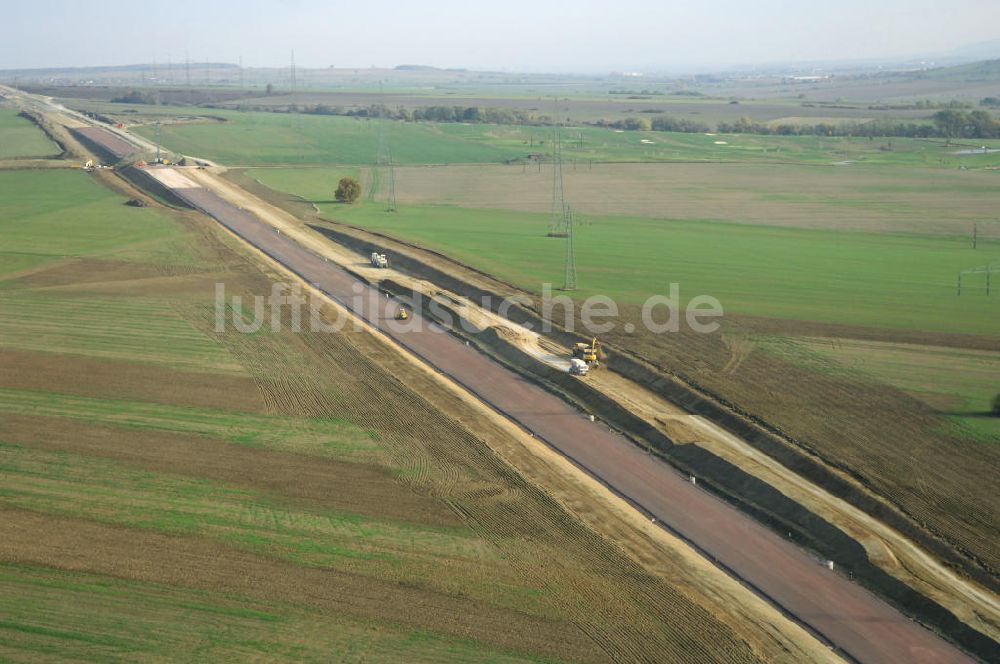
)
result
[(144, 181)]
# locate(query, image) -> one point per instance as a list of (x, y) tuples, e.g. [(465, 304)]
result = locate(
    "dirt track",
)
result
[(862, 626)]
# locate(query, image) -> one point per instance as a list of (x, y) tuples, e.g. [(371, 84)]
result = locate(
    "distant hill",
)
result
[(986, 70), (117, 69), (988, 50)]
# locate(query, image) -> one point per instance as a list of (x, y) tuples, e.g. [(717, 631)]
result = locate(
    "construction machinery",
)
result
[(379, 260), (402, 314), (588, 353), (578, 367)]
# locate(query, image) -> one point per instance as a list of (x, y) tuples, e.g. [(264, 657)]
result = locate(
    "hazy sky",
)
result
[(527, 35)]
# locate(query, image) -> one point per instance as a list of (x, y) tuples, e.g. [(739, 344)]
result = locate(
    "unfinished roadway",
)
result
[(860, 626)]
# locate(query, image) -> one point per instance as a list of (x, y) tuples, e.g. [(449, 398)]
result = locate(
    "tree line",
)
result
[(660, 123), (948, 123), (959, 124), (468, 114)]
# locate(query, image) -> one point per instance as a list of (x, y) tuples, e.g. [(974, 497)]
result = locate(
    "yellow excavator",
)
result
[(588, 352), (402, 314)]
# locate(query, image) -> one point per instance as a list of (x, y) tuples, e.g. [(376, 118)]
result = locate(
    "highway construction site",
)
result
[(792, 543)]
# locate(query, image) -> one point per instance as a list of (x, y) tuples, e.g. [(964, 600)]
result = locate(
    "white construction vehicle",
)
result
[(578, 367), (379, 260)]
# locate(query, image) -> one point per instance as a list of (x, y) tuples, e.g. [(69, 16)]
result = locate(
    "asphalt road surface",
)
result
[(861, 626), (115, 145)]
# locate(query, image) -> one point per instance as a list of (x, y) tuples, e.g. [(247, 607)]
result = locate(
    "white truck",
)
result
[(578, 367), (379, 260)]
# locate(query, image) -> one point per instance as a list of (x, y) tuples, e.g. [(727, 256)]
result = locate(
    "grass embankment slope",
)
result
[(171, 492), (20, 138)]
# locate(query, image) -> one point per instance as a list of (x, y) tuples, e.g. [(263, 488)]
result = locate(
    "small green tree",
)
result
[(996, 406), (348, 190)]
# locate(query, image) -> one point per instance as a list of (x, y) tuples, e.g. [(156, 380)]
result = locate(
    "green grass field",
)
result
[(867, 279), (20, 138), (267, 138), (68, 214), (254, 138)]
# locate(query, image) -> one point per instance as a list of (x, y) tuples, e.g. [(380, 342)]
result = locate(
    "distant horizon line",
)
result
[(636, 71)]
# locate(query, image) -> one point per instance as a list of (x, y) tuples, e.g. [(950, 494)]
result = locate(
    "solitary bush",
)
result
[(348, 190), (996, 406)]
